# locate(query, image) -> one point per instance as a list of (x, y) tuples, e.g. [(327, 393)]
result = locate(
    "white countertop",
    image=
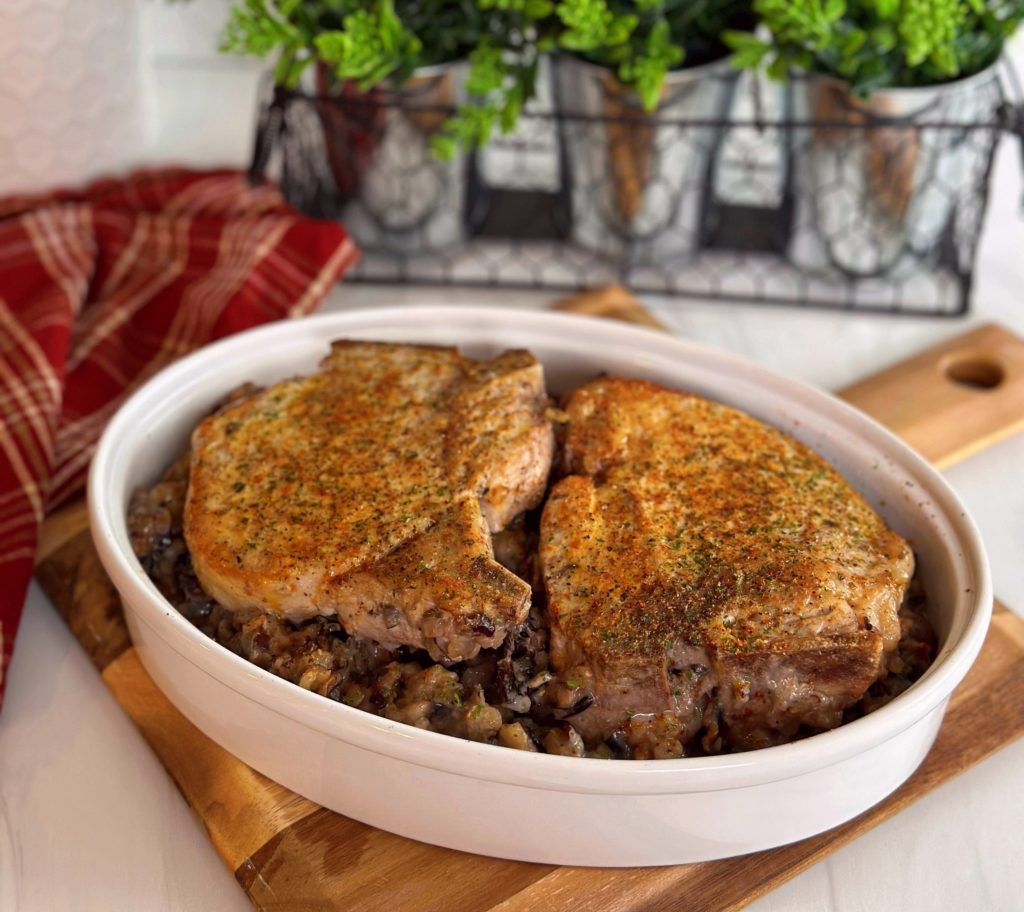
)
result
[(89, 820)]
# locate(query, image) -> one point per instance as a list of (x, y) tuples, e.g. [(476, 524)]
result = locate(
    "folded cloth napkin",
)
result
[(102, 288)]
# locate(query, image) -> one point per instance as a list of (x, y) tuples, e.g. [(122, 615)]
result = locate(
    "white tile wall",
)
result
[(72, 96), (95, 87)]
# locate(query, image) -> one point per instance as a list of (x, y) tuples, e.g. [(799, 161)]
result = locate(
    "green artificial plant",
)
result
[(875, 44), (642, 40), (378, 43)]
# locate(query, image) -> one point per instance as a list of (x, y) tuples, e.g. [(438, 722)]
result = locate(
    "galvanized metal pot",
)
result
[(878, 183), (637, 181), (406, 200)]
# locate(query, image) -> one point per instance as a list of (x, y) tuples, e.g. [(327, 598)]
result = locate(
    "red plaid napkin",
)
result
[(101, 289)]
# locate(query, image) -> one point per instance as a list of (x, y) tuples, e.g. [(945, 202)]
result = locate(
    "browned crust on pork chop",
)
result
[(694, 556), (370, 490)]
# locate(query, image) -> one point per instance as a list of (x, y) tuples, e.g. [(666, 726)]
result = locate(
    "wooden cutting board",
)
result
[(288, 853)]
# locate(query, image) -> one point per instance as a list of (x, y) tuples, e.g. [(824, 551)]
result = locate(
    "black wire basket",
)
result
[(734, 189)]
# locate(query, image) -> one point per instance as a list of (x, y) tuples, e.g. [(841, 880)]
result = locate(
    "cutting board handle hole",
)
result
[(975, 371)]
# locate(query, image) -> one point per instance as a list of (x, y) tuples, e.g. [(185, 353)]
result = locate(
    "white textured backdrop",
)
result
[(72, 91)]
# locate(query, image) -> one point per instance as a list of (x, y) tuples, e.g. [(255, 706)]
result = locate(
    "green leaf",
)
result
[(834, 10), (749, 51), (888, 9), (883, 38), (779, 68), (538, 9), (852, 42), (444, 146), (511, 111), (621, 28), (487, 72)]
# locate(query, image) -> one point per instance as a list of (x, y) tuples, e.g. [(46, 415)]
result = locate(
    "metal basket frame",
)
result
[(520, 237)]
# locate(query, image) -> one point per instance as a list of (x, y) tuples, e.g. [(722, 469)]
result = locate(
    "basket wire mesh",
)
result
[(735, 189)]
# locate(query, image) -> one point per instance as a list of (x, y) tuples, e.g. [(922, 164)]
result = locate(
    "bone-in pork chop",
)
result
[(370, 490), (701, 563)]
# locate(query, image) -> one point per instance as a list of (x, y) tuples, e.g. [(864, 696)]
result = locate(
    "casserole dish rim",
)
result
[(196, 372)]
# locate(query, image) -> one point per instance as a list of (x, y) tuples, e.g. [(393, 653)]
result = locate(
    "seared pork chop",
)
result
[(370, 490), (701, 563)]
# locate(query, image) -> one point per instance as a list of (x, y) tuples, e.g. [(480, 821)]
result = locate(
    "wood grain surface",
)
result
[(951, 400), (288, 853)]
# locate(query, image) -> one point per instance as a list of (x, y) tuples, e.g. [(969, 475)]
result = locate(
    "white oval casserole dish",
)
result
[(536, 807)]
